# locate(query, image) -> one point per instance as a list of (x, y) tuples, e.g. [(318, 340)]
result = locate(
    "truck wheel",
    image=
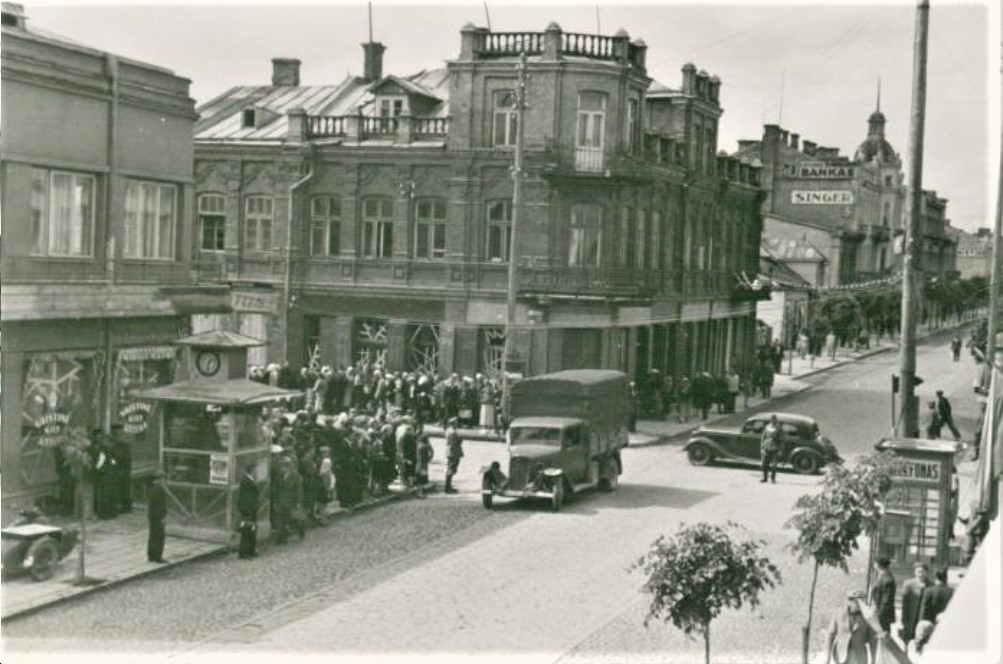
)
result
[(44, 554), (805, 464), (557, 499), (487, 500), (699, 455), (610, 482)]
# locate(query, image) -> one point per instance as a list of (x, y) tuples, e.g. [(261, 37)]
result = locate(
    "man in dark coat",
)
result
[(944, 408), (156, 515), (913, 591), (121, 452), (104, 475), (248, 502), (883, 594), (454, 452)]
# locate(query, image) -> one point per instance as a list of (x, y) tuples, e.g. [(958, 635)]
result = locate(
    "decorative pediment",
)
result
[(216, 176), (378, 176), (259, 177)]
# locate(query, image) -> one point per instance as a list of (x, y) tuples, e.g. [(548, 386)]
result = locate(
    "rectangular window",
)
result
[(430, 228), (258, 223), (325, 226), (625, 237), (377, 228), (640, 235), (391, 107), (506, 120), (499, 235), (591, 119), (62, 213), (585, 246), (149, 220), (212, 222), (654, 241), (631, 139)]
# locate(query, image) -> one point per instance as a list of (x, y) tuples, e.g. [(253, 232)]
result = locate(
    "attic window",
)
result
[(248, 118), (9, 19)]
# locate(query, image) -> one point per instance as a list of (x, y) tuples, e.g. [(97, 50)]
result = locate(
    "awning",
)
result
[(235, 392), (968, 630)]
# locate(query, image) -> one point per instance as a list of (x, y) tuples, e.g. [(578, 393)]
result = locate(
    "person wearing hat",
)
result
[(883, 593), (944, 408), (156, 515), (913, 591), (454, 452), (850, 639), (121, 452), (248, 502)]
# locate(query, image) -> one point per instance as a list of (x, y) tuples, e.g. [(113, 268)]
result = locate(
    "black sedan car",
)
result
[(802, 445)]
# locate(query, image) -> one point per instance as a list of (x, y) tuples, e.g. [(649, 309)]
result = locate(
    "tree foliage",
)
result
[(701, 571), (830, 522)]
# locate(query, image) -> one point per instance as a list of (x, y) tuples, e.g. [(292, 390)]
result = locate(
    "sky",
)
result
[(814, 68)]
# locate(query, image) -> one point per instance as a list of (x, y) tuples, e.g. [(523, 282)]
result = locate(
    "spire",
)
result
[(878, 106), (876, 123)]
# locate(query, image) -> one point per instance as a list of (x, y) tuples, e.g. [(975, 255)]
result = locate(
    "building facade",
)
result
[(371, 219), (852, 210), (975, 253), (97, 193)]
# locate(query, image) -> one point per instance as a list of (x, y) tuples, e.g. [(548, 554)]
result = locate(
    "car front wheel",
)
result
[(805, 464), (557, 499), (699, 455)]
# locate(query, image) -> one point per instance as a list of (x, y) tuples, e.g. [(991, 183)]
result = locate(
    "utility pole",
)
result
[(995, 285), (513, 243), (911, 268)]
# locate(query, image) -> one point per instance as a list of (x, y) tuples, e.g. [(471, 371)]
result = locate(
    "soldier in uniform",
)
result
[(248, 499), (156, 514), (454, 452)]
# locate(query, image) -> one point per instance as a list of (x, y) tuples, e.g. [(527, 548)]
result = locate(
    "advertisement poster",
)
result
[(219, 469)]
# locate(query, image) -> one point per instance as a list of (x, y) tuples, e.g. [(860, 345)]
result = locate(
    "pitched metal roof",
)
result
[(238, 391), (219, 338), (222, 117), (799, 249)]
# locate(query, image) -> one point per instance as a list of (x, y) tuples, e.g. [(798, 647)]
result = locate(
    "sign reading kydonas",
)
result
[(920, 471), (828, 197)]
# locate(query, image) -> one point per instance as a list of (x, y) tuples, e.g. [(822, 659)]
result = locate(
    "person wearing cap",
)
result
[(850, 639), (883, 593), (944, 408), (913, 591), (769, 447), (156, 515), (454, 452), (248, 502)]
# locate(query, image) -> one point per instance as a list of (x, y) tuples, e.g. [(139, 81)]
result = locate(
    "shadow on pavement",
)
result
[(626, 496)]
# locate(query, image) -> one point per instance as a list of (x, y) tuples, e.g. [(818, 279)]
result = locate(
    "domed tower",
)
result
[(875, 147)]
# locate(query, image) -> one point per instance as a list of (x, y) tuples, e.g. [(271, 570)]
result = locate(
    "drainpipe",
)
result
[(111, 71), (287, 281)]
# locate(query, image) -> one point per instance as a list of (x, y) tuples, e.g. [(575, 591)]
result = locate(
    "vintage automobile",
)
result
[(802, 446), (566, 435), (35, 549)]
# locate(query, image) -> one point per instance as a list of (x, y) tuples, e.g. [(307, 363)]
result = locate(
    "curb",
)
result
[(115, 582)]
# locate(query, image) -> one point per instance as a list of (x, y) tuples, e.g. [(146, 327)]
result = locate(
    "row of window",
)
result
[(63, 211)]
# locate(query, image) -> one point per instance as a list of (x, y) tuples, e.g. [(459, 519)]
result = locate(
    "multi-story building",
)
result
[(975, 253), (371, 218), (97, 194), (851, 210)]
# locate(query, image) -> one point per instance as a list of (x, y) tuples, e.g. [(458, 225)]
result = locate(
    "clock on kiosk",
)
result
[(207, 362)]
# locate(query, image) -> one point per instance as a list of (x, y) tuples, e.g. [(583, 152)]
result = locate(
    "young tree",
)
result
[(701, 571), (75, 449), (830, 522)]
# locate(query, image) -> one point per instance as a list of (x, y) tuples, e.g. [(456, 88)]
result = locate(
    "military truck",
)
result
[(566, 434)]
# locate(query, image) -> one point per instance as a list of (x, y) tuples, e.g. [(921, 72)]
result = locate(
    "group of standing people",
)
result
[(108, 465)]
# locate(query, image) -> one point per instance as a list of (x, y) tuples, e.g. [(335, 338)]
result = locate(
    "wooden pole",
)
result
[(913, 240)]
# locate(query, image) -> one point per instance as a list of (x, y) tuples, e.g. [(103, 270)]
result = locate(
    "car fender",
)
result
[(714, 446), (804, 449)]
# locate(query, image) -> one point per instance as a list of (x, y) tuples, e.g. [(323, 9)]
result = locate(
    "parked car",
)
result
[(802, 445)]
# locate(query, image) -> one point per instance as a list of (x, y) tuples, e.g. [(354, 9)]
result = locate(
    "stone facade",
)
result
[(389, 212)]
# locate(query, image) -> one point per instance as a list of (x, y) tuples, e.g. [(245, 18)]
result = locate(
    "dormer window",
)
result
[(248, 118)]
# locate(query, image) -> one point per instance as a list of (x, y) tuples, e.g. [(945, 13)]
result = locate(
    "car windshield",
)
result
[(541, 435)]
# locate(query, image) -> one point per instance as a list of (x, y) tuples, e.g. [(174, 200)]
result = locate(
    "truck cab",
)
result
[(566, 435)]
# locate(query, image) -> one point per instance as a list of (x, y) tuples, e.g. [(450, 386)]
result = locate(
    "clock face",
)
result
[(207, 362)]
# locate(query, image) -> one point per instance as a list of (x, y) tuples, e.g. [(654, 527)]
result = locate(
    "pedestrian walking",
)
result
[(424, 457), (956, 348), (913, 591), (248, 502), (883, 594), (734, 383), (934, 422), (454, 452), (935, 601), (684, 399), (769, 446), (830, 345), (944, 408), (850, 639), (156, 516)]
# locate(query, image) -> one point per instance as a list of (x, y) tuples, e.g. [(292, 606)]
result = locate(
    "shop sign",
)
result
[(219, 469), (830, 197), (819, 170), (243, 302), (135, 417), (920, 471), (51, 428)]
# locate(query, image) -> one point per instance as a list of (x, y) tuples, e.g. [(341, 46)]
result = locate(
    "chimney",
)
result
[(13, 15), (285, 71), (372, 67), (795, 140), (689, 78), (809, 147)]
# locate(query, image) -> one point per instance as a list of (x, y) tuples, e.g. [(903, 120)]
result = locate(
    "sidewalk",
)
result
[(116, 553)]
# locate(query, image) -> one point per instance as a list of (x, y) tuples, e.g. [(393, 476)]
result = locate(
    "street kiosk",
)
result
[(916, 523), (210, 430)]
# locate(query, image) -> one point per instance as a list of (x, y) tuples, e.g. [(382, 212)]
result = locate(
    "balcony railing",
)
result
[(511, 43), (624, 282), (403, 129), (379, 126), (481, 43), (598, 47), (430, 128)]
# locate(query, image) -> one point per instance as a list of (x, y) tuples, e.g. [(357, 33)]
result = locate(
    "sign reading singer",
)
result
[(815, 197)]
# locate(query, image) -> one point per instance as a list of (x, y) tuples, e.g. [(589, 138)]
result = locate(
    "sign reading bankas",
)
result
[(816, 197), (819, 170)]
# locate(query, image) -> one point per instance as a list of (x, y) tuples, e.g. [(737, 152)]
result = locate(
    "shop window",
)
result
[(62, 213), (430, 228), (492, 349), (371, 339), (499, 231), (258, 223), (149, 220), (325, 226), (212, 222), (423, 348), (137, 369)]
